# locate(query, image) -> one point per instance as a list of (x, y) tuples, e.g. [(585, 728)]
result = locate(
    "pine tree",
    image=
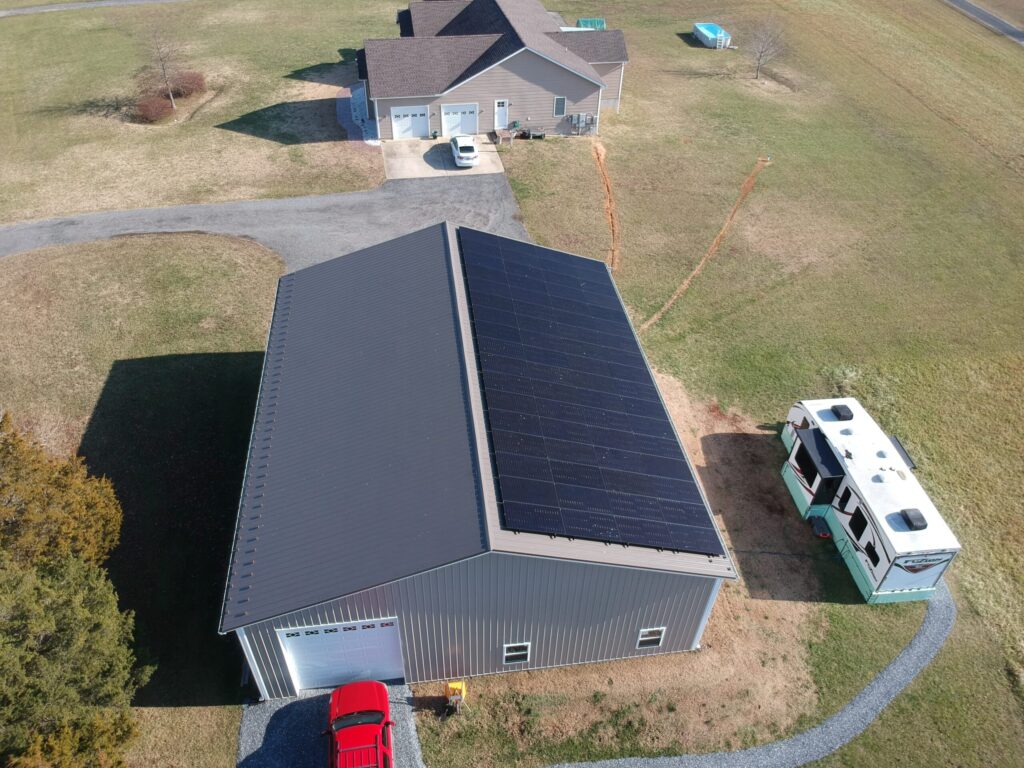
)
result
[(67, 672), (50, 508)]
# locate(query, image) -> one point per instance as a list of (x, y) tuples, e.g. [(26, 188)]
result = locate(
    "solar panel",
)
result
[(582, 445)]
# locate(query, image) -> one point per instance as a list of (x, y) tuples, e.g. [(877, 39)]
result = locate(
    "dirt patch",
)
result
[(745, 189), (750, 681), (610, 212)]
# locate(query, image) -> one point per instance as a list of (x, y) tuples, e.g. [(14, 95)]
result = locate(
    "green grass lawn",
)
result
[(880, 254), (143, 355), (265, 129)]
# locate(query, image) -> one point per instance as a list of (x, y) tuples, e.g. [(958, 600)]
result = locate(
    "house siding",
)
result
[(454, 620), (529, 82), (612, 76)]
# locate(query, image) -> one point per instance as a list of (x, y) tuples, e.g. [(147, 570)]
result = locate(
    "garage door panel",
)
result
[(409, 122), (329, 655), (459, 118)]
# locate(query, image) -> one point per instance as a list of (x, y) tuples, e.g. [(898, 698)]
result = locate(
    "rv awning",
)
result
[(821, 453)]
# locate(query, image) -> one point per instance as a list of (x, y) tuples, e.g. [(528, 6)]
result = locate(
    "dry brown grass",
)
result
[(185, 737), (710, 699)]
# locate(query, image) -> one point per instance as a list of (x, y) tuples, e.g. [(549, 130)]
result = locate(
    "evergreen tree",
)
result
[(67, 672), (50, 508)]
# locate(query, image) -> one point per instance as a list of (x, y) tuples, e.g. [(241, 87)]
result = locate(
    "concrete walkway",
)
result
[(30, 9), (989, 19), (303, 230)]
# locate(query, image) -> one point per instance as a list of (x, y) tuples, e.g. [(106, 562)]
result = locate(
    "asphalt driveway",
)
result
[(431, 158), (303, 230)]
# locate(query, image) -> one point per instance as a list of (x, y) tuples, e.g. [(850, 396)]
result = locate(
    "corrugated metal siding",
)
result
[(454, 620), (528, 81)]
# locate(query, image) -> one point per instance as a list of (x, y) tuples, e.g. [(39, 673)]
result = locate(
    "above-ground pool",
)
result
[(710, 33)]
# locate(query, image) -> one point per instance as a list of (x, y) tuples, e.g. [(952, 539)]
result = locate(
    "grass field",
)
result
[(143, 354), (880, 254), (268, 128)]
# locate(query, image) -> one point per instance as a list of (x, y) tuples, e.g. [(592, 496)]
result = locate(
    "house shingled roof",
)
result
[(595, 46), (450, 35)]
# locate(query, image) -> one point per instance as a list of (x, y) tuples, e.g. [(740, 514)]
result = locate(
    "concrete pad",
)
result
[(426, 158)]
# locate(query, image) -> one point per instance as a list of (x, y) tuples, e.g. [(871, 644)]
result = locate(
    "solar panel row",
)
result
[(582, 444)]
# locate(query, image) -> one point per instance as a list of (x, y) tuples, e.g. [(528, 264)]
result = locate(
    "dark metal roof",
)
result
[(450, 47), (821, 452), (361, 467), (594, 46)]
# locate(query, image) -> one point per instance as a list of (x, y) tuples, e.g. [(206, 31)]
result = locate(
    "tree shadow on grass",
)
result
[(329, 72), (171, 433), (291, 122)]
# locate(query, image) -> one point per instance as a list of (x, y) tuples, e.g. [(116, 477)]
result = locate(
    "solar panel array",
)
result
[(582, 444)]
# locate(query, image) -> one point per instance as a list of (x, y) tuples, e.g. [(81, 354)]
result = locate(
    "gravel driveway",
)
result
[(286, 732)]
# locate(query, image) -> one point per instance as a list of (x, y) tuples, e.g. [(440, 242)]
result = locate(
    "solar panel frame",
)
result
[(581, 444)]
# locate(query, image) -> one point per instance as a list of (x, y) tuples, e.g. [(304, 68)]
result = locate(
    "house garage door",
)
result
[(409, 122), (459, 118), (331, 654)]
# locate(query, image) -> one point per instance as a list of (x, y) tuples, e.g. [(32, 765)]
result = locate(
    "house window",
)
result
[(858, 523), (650, 638), (559, 106), (872, 553), (516, 653)]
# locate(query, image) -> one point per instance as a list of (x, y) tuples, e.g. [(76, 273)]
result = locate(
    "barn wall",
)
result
[(454, 620)]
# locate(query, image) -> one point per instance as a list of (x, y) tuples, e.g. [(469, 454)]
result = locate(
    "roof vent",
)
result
[(914, 519), (842, 412)]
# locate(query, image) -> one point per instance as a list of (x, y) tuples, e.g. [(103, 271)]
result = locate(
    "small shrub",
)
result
[(188, 83), (152, 109), (597, 697)]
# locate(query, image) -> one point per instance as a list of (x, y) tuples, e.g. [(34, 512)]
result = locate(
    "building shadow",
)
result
[(291, 122), (172, 433), (776, 553), (292, 734), (404, 20)]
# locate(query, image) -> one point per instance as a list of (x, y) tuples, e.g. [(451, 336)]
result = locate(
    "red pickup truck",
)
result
[(359, 725)]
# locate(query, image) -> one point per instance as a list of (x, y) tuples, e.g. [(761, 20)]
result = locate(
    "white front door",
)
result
[(501, 113), (328, 655), (459, 118), (409, 122)]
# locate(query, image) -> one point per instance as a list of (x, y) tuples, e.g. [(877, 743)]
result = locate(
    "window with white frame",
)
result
[(559, 106), (516, 653), (650, 637)]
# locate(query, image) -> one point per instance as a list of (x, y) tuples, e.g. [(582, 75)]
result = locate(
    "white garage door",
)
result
[(459, 118), (331, 654), (409, 122)]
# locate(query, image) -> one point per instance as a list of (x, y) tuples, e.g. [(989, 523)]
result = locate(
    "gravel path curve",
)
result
[(29, 9), (303, 230), (843, 726)]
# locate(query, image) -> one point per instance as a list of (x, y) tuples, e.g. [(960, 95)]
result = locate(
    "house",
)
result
[(473, 67), (460, 465)]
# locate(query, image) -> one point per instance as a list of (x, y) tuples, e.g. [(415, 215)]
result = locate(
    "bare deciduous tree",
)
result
[(164, 64), (767, 43)]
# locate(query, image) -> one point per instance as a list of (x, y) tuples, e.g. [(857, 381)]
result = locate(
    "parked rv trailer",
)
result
[(843, 468)]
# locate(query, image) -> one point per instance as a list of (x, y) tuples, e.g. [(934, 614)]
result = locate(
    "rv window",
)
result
[(845, 498), (805, 464), (871, 552), (858, 523), (827, 490)]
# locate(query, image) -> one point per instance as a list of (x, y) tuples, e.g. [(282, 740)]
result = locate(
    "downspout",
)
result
[(618, 101), (707, 615)]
